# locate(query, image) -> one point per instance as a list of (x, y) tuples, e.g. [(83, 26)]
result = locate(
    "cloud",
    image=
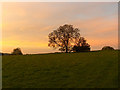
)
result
[(28, 24)]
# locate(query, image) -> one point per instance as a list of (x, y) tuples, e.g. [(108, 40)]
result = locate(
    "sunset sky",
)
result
[(27, 24)]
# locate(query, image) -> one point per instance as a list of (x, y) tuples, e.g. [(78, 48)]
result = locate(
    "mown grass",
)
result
[(65, 70)]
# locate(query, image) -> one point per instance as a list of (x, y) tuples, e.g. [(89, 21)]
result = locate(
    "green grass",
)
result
[(65, 70)]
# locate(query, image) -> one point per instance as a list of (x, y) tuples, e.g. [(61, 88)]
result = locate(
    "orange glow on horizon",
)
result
[(27, 25)]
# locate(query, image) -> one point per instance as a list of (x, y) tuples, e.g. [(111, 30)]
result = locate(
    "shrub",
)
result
[(81, 45), (107, 48), (81, 48), (17, 51)]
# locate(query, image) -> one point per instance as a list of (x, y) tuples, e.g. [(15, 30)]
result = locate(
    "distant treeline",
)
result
[(4, 54), (17, 51)]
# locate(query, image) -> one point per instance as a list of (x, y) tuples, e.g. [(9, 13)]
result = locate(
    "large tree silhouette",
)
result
[(63, 37)]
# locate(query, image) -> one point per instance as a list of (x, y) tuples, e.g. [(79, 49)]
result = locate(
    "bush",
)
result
[(81, 48), (17, 51), (107, 48)]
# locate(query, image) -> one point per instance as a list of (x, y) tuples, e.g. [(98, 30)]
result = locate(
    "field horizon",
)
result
[(55, 52)]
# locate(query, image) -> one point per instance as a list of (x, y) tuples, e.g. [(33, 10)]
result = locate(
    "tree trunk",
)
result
[(66, 49), (67, 45)]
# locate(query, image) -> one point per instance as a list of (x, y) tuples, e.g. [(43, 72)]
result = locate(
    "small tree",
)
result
[(81, 45), (63, 37), (17, 51), (107, 48)]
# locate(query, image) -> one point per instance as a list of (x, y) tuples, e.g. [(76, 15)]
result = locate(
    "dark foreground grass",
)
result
[(71, 70)]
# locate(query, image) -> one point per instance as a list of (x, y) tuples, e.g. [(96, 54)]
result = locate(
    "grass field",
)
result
[(65, 70)]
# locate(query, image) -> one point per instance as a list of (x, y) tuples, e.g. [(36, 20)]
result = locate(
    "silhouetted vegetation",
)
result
[(66, 37), (81, 45), (62, 37), (17, 51), (5, 54), (107, 48)]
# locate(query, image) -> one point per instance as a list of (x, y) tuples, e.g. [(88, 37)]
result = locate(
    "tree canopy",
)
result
[(63, 37), (107, 48), (81, 45), (17, 51)]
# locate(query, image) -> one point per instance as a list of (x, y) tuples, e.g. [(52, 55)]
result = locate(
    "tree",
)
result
[(63, 37), (81, 45), (17, 51), (107, 48)]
